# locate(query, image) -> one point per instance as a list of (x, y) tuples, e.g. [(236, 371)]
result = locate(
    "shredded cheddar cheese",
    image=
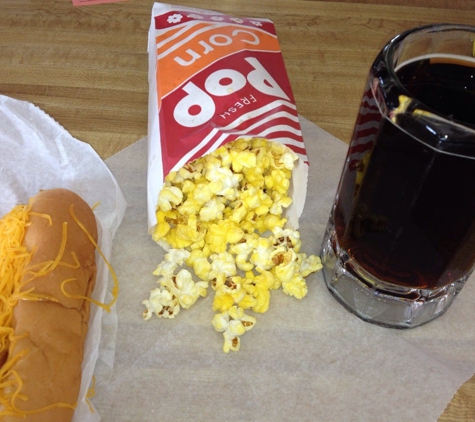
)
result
[(115, 288), (13, 259), (15, 273), (91, 393)]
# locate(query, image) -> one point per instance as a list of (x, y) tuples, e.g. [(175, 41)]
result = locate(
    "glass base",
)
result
[(376, 301)]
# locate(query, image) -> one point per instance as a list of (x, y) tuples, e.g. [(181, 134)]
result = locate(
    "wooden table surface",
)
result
[(87, 66)]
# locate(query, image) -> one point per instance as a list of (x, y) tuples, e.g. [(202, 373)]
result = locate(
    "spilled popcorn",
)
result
[(222, 218)]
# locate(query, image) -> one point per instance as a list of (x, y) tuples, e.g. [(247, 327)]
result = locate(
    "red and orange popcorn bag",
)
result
[(213, 79)]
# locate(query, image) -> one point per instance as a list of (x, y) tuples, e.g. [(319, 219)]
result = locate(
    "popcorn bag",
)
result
[(226, 156), (213, 79)]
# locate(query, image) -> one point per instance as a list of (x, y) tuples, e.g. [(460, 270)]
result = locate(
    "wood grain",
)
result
[(87, 66)]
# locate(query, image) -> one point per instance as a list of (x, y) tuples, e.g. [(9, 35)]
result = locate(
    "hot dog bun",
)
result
[(52, 330)]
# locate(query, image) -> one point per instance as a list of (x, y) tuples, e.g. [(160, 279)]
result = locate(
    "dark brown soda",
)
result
[(406, 207)]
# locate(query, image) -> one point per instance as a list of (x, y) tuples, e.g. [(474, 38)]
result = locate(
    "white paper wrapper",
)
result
[(37, 153)]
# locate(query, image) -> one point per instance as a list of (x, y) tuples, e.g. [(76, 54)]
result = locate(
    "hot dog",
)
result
[(46, 309)]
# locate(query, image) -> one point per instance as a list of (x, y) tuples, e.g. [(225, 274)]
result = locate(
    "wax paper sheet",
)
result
[(37, 153), (307, 360)]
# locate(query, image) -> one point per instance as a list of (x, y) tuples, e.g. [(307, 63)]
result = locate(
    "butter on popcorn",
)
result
[(184, 289), (233, 323), (224, 217)]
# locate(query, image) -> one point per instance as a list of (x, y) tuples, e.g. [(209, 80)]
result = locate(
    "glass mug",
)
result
[(400, 242)]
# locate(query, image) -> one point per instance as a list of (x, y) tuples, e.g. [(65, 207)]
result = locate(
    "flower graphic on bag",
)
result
[(176, 18)]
